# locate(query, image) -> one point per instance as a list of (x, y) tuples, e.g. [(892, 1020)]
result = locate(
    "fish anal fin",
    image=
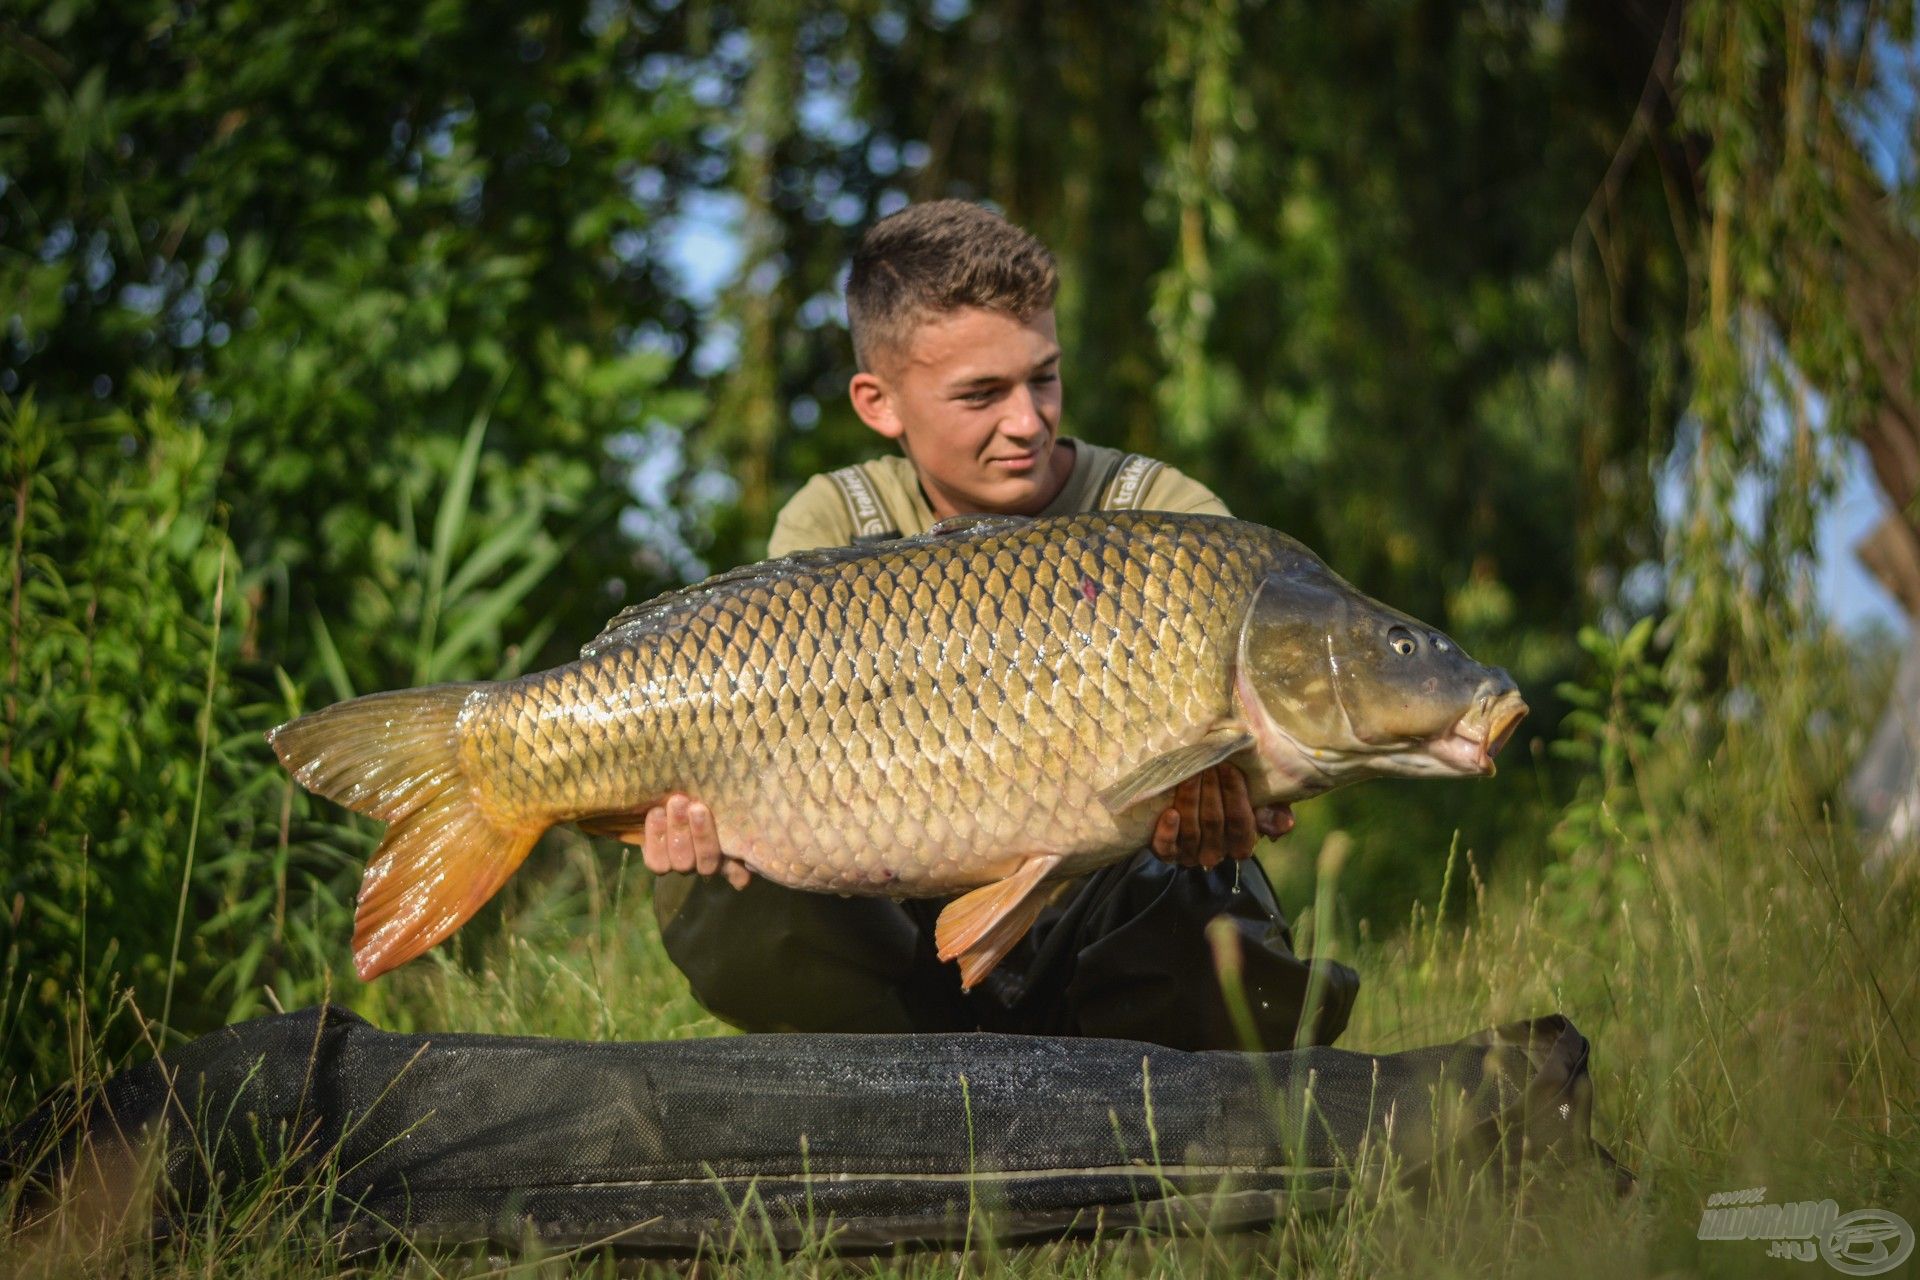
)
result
[(627, 826), (979, 928), (1165, 772)]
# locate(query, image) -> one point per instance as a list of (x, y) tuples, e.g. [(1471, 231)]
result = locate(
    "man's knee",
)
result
[(1146, 966), (768, 958)]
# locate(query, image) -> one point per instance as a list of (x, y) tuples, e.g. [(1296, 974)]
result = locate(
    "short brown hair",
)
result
[(937, 257)]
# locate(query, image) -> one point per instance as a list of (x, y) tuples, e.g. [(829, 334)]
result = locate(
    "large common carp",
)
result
[(983, 708)]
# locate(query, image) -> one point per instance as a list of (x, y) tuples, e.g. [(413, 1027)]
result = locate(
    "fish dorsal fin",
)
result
[(1165, 772), (666, 609), (976, 523)]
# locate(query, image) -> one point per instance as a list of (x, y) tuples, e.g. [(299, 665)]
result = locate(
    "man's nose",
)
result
[(1023, 420)]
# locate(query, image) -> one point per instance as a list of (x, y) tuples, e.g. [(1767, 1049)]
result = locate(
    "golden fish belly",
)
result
[(912, 723)]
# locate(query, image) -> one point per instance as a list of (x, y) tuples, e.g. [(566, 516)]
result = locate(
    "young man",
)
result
[(951, 309)]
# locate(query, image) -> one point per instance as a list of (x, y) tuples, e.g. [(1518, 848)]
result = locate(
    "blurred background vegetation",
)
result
[(351, 347)]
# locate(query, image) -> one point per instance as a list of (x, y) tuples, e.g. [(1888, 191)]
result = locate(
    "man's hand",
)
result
[(1212, 818), (680, 836)]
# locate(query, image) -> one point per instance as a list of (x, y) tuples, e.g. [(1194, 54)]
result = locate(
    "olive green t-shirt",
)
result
[(886, 493)]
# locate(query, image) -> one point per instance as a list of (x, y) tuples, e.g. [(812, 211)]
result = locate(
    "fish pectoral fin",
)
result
[(979, 928), (1164, 773)]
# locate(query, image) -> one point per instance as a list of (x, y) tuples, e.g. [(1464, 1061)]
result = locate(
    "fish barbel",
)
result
[(973, 711)]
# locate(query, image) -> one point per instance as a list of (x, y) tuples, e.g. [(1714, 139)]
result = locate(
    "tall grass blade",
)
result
[(330, 660), (487, 616), (447, 526), (199, 789)]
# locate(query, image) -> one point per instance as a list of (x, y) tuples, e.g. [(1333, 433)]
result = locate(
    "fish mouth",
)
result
[(1476, 738)]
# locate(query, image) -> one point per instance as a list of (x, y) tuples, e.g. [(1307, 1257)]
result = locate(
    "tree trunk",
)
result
[(1879, 277)]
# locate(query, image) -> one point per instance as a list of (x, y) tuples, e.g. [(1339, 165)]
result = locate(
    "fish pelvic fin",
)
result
[(979, 928), (396, 756)]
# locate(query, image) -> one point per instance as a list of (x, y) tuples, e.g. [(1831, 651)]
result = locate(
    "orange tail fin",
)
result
[(395, 756)]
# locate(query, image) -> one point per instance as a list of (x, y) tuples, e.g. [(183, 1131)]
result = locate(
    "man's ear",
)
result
[(873, 400)]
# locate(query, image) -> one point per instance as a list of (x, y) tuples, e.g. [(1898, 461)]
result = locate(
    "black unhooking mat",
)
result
[(870, 1141)]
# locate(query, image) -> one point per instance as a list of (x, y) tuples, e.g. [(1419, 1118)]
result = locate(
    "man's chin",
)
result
[(1022, 488), (1012, 495)]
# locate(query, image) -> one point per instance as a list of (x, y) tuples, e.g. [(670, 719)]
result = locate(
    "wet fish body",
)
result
[(992, 704)]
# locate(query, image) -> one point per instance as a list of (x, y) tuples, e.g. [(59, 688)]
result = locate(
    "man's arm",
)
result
[(1172, 490)]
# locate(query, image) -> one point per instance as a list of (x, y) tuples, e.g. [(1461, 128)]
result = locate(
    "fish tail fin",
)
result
[(396, 756)]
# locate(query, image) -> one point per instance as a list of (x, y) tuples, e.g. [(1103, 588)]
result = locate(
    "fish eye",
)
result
[(1402, 641)]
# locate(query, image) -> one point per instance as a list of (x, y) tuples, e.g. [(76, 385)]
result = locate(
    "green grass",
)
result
[(1752, 996)]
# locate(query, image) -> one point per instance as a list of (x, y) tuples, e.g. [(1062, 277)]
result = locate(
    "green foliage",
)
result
[(355, 307), (1805, 318), (342, 350), (1321, 259), (118, 564), (348, 254), (1610, 733), (354, 340)]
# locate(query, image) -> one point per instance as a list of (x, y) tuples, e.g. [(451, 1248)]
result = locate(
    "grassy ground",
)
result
[(1752, 995)]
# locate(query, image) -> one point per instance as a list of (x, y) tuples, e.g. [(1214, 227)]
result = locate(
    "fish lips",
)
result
[(1475, 739)]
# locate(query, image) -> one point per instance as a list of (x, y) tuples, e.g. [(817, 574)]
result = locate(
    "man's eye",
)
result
[(980, 397), (1044, 378)]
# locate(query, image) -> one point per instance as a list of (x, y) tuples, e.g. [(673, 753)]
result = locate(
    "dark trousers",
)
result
[(1122, 953)]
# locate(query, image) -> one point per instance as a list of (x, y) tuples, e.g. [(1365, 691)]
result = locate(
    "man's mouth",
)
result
[(1016, 462)]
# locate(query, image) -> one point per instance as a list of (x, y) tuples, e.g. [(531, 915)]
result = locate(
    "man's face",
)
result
[(975, 402)]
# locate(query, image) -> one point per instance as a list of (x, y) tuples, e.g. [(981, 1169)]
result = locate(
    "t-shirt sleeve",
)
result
[(814, 517), (1172, 490)]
